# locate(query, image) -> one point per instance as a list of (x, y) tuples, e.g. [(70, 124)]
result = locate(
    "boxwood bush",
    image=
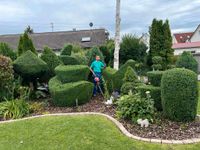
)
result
[(154, 77), (155, 93), (119, 75), (179, 92), (108, 76), (69, 60), (72, 73), (67, 94)]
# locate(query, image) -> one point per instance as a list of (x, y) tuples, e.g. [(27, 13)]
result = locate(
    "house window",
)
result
[(86, 39), (193, 52)]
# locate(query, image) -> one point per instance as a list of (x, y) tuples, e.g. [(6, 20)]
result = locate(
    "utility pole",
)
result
[(117, 36), (52, 26)]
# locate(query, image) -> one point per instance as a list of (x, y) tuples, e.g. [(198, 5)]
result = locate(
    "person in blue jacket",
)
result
[(96, 68)]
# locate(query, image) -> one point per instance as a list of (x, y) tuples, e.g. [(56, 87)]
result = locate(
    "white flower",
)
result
[(147, 92)]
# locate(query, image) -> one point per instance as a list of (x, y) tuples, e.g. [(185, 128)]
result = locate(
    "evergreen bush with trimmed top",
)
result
[(108, 76), (179, 92), (5, 50), (69, 60), (70, 94), (67, 49), (154, 77), (72, 73)]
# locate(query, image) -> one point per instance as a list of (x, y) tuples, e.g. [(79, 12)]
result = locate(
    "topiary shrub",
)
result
[(179, 92), (154, 77), (5, 50), (69, 60), (70, 93), (92, 53), (108, 76), (157, 62), (30, 67), (155, 93), (72, 73), (6, 77), (81, 58), (67, 49), (130, 81), (119, 75), (186, 60), (52, 61)]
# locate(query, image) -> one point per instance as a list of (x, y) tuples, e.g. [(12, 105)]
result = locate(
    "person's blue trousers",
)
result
[(96, 88)]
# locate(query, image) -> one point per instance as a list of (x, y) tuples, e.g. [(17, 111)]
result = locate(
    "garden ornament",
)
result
[(143, 123)]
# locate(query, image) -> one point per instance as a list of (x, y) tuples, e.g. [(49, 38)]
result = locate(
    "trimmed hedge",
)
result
[(155, 93), (67, 50), (29, 66), (69, 60), (154, 77), (67, 94), (119, 75), (179, 92), (72, 73), (108, 76)]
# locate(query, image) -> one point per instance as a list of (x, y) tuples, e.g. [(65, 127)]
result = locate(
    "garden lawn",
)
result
[(72, 133)]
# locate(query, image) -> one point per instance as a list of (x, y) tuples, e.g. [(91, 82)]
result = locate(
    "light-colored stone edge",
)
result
[(118, 124)]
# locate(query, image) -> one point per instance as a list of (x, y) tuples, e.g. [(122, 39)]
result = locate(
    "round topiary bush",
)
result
[(67, 49), (72, 73), (179, 93), (68, 60)]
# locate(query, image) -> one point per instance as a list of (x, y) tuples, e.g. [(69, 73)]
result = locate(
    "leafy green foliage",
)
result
[(154, 77), (6, 77), (25, 44), (130, 81), (160, 43), (108, 74), (14, 109), (157, 63), (69, 60), (72, 73), (132, 48), (5, 50), (91, 54), (80, 58), (134, 107), (179, 92), (186, 60), (29, 66), (70, 94), (52, 61), (67, 49), (106, 53), (155, 93)]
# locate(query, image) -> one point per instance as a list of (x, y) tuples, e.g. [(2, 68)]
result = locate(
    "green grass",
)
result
[(72, 133)]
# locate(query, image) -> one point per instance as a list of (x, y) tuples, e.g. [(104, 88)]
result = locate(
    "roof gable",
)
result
[(183, 37)]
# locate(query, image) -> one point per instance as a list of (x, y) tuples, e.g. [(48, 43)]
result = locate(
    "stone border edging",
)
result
[(118, 124)]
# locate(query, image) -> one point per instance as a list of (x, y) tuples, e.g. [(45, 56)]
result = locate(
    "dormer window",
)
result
[(86, 39)]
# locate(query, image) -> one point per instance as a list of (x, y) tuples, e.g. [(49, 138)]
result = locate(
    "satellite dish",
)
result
[(91, 24)]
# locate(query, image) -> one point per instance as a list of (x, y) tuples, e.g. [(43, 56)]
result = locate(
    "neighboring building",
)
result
[(56, 40), (189, 41)]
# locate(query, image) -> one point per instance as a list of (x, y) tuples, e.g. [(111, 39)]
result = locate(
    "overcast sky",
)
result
[(15, 15)]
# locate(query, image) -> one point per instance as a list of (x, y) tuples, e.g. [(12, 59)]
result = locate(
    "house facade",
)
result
[(56, 40)]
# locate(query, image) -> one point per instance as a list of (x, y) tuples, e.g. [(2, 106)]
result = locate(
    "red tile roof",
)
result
[(183, 37), (186, 45)]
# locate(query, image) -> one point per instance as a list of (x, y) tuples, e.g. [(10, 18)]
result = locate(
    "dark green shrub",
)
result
[(179, 92), (154, 77), (25, 44), (119, 75), (5, 50), (157, 62), (67, 49), (6, 77), (69, 60), (52, 61), (130, 81), (67, 94), (108, 77), (186, 60), (134, 107), (155, 93), (106, 53), (14, 109), (72, 73), (81, 58), (30, 67), (91, 54)]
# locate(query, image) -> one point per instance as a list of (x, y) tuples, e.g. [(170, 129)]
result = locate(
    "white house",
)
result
[(189, 41)]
